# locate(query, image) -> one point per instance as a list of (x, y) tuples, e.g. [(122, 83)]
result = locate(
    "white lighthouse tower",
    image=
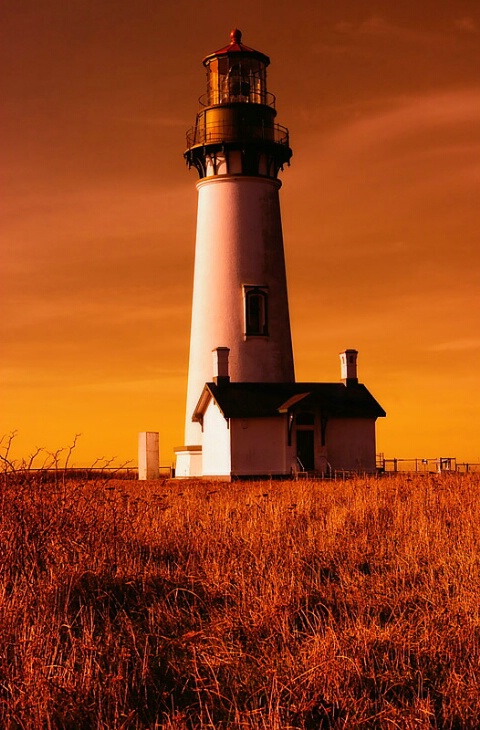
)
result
[(240, 291)]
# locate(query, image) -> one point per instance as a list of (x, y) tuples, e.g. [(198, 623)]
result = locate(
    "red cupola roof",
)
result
[(237, 47)]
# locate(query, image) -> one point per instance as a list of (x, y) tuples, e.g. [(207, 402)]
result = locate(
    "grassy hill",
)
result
[(252, 605)]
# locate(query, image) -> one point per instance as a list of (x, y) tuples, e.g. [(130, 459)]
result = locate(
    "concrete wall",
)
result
[(188, 462), (216, 443), (351, 444), (148, 455), (259, 446)]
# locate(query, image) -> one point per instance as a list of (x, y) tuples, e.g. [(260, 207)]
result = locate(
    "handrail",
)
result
[(218, 132)]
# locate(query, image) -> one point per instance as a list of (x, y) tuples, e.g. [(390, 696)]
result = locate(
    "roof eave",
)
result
[(202, 405)]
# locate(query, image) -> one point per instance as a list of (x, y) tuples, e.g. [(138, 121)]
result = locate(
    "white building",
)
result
[(246, 415)]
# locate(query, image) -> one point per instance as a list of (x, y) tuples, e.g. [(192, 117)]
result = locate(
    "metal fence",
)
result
[(87, 473), (438, 465)]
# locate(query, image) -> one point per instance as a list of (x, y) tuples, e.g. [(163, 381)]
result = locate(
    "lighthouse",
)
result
[(240, 297), (243, 405)]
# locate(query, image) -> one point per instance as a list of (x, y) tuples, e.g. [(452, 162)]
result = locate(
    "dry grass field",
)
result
[(254, 605)]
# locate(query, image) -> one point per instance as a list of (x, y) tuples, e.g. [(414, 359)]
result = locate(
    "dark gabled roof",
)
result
[(259, 400)]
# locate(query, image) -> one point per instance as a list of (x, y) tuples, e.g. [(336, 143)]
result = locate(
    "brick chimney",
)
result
[(220, 365), (348, 363)]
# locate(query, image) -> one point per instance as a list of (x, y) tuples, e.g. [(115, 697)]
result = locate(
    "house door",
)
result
[(305, 449)]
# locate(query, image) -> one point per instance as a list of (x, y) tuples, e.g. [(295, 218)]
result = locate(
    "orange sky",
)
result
[(380, 211)]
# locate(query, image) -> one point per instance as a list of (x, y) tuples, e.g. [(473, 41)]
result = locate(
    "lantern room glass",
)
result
[(236, 78)]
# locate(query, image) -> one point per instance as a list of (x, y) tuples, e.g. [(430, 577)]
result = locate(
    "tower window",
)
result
[(256, 311)]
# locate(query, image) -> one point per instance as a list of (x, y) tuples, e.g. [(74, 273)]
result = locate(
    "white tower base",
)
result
[(188, 462)]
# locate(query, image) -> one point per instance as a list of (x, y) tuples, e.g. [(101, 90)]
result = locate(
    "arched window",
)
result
[(256, 311)]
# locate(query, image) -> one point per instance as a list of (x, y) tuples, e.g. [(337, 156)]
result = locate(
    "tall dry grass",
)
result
[(253, 605)]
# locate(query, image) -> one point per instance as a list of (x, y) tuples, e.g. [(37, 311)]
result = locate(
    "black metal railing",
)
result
[(218, 132)]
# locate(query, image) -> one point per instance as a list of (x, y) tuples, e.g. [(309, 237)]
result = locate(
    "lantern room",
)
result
[(235, 131), (237, 73)]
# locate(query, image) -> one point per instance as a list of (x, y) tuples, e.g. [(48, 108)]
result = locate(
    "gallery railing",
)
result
[(218, 132)]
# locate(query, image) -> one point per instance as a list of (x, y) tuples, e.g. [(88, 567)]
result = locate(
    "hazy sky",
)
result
[(380, 210)]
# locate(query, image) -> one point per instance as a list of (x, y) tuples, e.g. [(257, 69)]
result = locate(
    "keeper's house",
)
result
[(253, 429)]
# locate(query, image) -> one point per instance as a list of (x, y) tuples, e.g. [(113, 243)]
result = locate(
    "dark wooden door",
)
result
[(305, 449)]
